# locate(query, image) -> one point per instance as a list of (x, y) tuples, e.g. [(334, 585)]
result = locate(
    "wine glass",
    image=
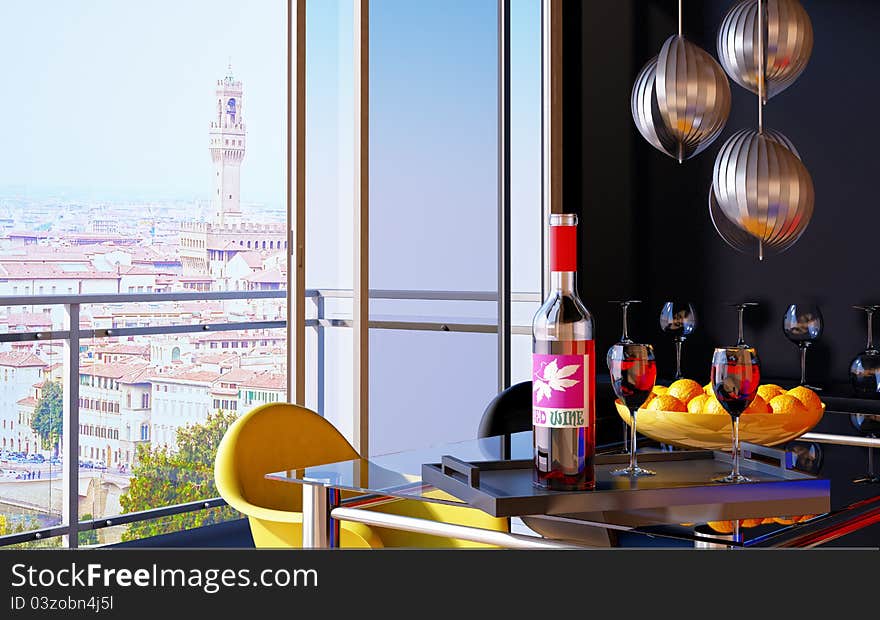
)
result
[(624, 307), (633, 372), (869, 426), (802, 324), (624, 338), (740, 308), (735, 376), (864, 371), (678, 320)]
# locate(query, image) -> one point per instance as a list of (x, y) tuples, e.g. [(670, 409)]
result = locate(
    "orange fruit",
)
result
[(665, 402), (713, 406), (722, 527), (659, 390), (751, 522), (759, 405), (808, 398), (785, 520), (651, 397), (685, 389), (708, 389), (786, 403), (697, 403), (769, 390), (805, 518)]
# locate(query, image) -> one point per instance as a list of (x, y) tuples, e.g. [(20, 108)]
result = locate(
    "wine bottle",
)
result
[(563, 372)]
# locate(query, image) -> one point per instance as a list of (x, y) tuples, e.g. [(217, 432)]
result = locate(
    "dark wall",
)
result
[(645, 230)]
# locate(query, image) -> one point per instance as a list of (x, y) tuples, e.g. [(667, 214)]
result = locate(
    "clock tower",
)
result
[(227, 135)]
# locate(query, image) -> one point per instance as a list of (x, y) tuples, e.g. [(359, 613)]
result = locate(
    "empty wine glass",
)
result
[(633, 372), (679, 320), (864, 371), (735, 376), (740, 308), (624, 307), (802, 324), (869, 426)]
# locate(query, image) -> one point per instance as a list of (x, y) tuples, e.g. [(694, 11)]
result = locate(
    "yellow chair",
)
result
[(280, 436)]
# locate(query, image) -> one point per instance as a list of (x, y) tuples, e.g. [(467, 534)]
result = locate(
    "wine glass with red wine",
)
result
[(735, 376), (633, 372)]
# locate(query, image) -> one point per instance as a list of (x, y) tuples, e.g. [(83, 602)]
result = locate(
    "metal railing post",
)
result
[(319, 355), (70, 428)]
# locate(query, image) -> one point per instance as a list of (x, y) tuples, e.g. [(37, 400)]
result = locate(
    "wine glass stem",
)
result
[(803, 349), (633, 465), (871, 463), (870, 329), (678, 343), (625, 336), (740, 340), (736, 447)]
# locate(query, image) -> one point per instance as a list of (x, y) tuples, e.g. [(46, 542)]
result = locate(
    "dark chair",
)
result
[(509, 412)]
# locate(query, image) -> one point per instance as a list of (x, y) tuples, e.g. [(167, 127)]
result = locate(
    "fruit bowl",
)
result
[(712, 431)]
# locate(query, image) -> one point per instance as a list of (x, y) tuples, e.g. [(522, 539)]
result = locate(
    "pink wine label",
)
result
[(560, 390)]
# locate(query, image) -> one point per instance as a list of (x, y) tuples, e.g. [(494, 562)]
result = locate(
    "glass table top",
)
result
[(400, 475)]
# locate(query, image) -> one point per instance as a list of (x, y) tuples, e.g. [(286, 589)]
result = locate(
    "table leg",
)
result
[(319, 530)]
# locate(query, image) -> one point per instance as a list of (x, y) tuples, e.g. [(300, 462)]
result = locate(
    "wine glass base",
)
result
[(633, 473), (815, 388), (731, 478), (867, 480)]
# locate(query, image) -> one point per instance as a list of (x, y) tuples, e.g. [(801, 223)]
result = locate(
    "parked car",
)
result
[(86, 464), (99, 464)]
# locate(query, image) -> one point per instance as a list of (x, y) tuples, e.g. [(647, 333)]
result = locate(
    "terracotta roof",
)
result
[(266, 380), (235, 334), (267, 276), (21, 359), (217, 358), (253, 259), (28, 400), (51, 271), (123, 348), (236, 375), (124, 372), (189, 374), (28, 319)]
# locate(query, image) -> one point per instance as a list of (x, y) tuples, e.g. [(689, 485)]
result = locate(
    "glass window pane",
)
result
[(428, 387), (433, 215), (525, 163), (433, 148)]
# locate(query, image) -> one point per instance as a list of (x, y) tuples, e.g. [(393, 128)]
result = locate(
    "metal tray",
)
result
[(681, 491)]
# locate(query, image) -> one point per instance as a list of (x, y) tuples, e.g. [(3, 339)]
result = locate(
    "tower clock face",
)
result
[(230, 109)]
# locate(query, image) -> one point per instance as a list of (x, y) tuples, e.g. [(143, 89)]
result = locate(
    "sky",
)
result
[(113, 98)]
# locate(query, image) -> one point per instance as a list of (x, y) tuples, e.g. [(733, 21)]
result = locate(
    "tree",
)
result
[(48, 415), (163, 478)]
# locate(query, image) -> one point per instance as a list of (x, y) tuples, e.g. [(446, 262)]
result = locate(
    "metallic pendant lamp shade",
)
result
[(681, 99), (762, 195), (788, 36)]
